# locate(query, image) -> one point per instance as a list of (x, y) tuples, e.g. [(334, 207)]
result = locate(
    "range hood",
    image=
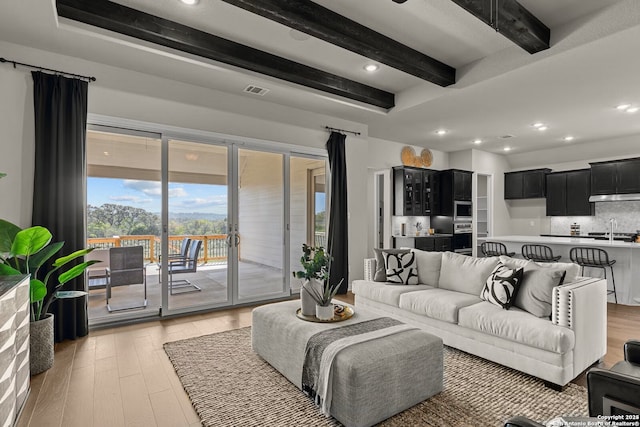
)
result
[(615, 197)]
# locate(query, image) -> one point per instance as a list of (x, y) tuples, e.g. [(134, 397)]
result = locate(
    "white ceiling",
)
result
[(501, 90)]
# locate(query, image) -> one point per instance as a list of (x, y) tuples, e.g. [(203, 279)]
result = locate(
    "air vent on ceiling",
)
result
[(256, 90), (506, 136)]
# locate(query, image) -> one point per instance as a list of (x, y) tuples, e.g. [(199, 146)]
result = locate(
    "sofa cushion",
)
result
[(428, 266), (438, 304), (572, 269), (383, 292), (502, 286), (463, 273), (401, 268), (381, 271), (518, 326), (539, 279)]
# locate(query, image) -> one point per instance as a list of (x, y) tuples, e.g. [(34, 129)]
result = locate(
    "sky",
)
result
[(183, 197)]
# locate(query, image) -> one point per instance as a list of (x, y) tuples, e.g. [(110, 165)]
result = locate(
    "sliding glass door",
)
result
[(221, 223), (197, 234), (259, 235)]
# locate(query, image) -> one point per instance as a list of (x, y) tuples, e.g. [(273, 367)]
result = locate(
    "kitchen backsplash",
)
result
[(627, 214), (410, 224)]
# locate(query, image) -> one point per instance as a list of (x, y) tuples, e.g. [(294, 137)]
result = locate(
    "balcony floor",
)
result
[(255, 280)]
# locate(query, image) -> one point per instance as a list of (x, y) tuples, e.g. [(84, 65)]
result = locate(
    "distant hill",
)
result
[(195, 215)]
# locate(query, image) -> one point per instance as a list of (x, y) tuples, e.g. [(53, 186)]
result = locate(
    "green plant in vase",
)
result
[(30, 251)]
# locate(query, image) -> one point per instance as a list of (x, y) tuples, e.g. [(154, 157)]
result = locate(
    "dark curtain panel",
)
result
[(58, 196), (338, 237)]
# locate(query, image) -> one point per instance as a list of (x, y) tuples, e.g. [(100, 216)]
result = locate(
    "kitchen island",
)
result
[(626, 269)]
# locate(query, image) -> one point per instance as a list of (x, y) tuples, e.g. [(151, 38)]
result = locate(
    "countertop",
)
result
[(573, 241), (423, 236), (9, 282)]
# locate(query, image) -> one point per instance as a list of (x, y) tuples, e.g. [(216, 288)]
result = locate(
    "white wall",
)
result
[(16, 146)]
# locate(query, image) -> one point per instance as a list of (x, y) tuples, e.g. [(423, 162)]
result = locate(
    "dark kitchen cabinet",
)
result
[(462, 185), (568, 193), (556, 194), (450, 186), (529, 184), (615, 177), (603, 178), (411, 191), (434, 243), (628, 176)]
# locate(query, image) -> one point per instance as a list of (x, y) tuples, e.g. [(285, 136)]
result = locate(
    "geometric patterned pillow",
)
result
[(401, 268), (502, 286)]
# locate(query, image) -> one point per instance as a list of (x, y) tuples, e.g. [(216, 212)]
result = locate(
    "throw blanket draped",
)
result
[(323, 347)]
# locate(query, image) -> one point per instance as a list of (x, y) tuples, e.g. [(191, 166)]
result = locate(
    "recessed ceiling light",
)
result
[(623, 106), (569, 138), (441, 131), (507, 148), (537, 125), (106, 153), (371, 67), (542, 128), (632, 110), (477, 141), (190, 2)]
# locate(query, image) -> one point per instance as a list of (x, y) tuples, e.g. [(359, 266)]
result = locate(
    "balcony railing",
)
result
[(214, 246)]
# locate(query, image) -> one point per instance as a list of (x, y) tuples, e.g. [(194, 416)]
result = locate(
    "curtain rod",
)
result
[(342, 130), (35, 67)]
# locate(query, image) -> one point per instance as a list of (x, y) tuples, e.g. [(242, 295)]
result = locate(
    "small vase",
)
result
[(307, 303), (324, 312)]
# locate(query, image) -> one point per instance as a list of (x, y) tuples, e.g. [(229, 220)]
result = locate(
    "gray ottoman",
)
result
[(372, 380)]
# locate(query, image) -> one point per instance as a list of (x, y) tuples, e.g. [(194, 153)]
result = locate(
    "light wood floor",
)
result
[(122, 377)]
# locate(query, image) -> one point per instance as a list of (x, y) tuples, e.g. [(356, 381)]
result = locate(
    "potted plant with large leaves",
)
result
[(30, 251)]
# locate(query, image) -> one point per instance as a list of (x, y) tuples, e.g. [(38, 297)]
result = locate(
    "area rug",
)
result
[(229, 385)]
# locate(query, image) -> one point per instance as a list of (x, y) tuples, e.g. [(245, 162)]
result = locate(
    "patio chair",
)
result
[(187, 264), (97, 273), (176, 258), (126, 267)]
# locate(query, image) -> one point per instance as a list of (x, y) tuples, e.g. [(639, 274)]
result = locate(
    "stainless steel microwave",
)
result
[(462, 211)]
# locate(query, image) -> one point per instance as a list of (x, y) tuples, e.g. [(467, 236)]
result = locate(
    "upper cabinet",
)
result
[(568, 193), (412, 191), (450, 186), (527, 184), (615, 177)]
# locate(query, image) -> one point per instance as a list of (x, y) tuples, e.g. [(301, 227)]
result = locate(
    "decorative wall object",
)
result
[(409, 157)]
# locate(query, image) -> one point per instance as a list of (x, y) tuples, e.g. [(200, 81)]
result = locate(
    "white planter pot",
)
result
[(307, 303), (324, 312)]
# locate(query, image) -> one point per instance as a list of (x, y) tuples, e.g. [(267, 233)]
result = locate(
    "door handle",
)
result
[(237, 239), (228, 240)]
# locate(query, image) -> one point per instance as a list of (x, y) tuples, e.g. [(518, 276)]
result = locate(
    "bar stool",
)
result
[(594, 258), (539, 253), (495, 249)]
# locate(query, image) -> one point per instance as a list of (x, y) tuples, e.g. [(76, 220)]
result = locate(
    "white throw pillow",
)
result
[(502, 286), (401, 268), (462, 273), (428, 264)]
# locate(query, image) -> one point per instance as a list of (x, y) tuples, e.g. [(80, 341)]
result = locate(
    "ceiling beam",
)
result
[(327, 25), (514, 22), (134, 23)]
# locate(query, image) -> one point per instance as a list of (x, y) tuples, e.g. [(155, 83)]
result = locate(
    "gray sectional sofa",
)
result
[(567, 333)]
